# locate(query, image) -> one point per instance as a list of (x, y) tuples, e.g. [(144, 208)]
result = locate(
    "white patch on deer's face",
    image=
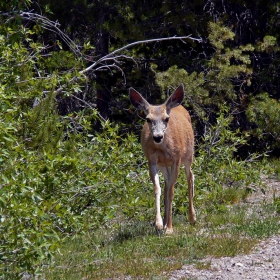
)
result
[(157, 120)]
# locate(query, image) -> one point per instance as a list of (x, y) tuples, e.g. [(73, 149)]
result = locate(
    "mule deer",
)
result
[(167, 141)]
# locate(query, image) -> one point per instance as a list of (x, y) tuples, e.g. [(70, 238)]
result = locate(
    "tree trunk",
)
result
[(102, 85)]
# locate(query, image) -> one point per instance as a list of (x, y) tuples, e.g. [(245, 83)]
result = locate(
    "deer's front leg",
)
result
[(155, 179)]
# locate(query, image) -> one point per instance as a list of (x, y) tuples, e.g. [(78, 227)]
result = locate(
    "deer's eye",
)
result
[(148, 120), (167, 119)]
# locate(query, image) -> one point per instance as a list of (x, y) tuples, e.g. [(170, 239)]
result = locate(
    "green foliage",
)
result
[(227, 64), (193, 83), (217, 148), (215, 86), (264, 111), (57, 177), (49, 194), (260, 228), (268, 44), (174, 76), (219, 34), (277, 204), (274, 166)]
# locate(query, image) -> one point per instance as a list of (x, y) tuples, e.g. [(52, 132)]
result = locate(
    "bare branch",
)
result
[(90, 106), (111, 55), (52, 26)]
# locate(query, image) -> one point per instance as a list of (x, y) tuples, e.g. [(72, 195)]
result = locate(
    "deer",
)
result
[(167, 141)]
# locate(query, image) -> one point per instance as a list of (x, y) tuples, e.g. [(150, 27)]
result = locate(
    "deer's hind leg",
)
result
[(190, 178)]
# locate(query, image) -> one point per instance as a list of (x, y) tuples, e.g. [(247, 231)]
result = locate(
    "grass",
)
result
[(134, 249), (131, 249), (275, 166)]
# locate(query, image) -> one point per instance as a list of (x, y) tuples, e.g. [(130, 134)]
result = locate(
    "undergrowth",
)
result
[(127, 244)]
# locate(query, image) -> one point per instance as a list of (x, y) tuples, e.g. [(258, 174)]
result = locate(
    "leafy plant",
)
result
[(264, 112), (196, 94), (57, 177)]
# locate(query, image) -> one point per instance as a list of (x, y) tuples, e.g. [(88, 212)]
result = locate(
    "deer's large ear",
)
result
[(176, 98), (137, 100)]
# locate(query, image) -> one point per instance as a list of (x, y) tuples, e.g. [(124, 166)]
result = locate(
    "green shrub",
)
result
[(264, 111), (55, 180), (47, 196)]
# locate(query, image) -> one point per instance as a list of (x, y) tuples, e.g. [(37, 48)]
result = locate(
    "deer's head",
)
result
[(157, 117)]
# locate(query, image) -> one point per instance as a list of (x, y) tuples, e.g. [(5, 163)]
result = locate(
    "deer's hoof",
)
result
[(169, 231), (192, 220)]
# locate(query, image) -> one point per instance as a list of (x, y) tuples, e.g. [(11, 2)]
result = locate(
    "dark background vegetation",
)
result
[(69, 137), (108, 26)]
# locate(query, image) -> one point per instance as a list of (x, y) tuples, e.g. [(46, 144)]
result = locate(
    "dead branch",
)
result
[(111, 55), (52, 26)]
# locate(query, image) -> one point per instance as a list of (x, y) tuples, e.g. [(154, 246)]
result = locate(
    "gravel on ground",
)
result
[(263, 263)]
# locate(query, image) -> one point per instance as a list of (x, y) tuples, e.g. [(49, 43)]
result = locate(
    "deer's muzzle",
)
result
[(158, 139)]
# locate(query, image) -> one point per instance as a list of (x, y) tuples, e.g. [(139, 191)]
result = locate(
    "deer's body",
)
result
[(167, 141)]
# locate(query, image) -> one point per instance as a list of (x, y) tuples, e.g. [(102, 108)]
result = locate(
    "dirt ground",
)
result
[(262, 264)]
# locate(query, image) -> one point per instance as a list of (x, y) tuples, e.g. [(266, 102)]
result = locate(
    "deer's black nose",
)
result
[(158, 139)]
